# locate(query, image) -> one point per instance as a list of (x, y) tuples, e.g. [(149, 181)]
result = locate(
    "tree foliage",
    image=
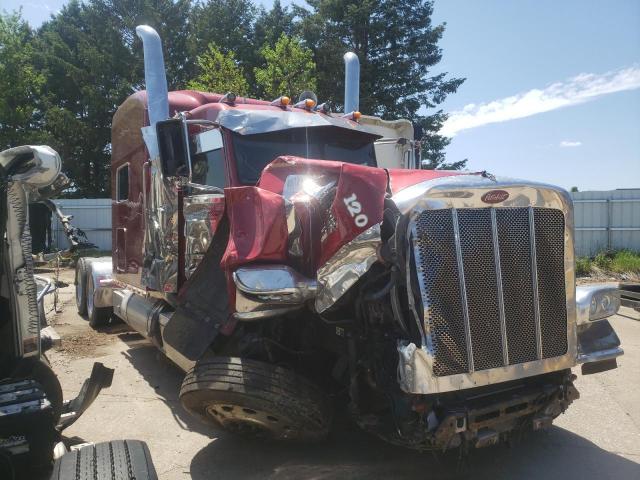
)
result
[(62, 83), (219, 72), (271, 24), (397, 45), (20, 84), (289, 68)]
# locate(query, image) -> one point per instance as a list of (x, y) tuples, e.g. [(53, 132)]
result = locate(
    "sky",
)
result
[(552, 90)]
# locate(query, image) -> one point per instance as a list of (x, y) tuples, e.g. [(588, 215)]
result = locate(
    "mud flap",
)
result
[(203, 302)]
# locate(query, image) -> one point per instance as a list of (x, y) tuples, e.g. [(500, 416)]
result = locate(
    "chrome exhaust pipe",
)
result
[(155, 77), (351, 82)]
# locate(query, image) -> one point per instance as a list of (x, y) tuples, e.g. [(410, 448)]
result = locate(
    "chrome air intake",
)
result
[(494, 284)]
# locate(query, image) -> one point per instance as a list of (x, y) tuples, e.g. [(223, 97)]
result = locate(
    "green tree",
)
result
[(171, 18), (289, 68), (397, 45), (92, 61), (219, 72), (89, 72), (227, 24), (270, 25), (20, 84)]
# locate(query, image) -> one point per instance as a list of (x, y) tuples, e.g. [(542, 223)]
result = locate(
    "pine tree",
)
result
[(289, 69), (20, 84), (397, 45), (219, 73), (270, 25)]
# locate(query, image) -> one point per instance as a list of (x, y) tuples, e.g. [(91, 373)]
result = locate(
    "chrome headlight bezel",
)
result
[(596, 302)]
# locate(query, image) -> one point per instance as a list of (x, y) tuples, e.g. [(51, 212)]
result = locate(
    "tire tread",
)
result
[(114, 460), (282, 391)]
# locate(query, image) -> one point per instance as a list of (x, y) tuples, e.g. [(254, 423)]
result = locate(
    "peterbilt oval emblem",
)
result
[(495, 196)]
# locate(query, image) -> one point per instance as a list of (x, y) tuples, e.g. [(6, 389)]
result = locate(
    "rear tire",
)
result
[(98, 316), (256, 399), (113, 460), (81, 286)]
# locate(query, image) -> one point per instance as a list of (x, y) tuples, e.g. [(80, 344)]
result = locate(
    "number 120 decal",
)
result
[(354, 208)]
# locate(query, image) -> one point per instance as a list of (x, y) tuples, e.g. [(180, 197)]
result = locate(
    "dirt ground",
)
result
[(598, 437)]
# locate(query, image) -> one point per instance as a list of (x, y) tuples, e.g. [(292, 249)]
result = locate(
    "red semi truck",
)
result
[(260, 247)]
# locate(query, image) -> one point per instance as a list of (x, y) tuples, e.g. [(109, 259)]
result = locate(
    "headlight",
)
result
[(595, 302)]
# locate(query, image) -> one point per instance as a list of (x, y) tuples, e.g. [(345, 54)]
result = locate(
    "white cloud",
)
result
[(570, 143), (579, 89)]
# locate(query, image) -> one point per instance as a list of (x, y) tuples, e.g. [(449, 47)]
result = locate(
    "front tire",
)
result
[(98, 316), (256, 399)]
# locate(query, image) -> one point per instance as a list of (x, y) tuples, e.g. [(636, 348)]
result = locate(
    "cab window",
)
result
[(122, 183), (208, 168)]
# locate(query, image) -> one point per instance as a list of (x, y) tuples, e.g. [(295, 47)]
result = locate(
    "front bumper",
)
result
[(598, 347)]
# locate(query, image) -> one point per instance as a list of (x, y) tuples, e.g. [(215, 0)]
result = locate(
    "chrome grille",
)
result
[(492, 283)]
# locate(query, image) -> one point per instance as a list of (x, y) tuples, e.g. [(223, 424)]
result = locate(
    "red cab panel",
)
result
[(258, 227)]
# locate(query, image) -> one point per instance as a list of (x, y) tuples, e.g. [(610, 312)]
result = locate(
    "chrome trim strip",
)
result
[(415, 372), (410, 243), (496, 257), (600, 355), (534, 281), (463, 290)]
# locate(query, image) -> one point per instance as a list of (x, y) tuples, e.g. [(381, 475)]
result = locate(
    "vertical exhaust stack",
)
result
[(155, 77), (351, 82)]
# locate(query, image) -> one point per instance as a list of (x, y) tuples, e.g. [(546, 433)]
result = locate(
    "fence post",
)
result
[(609, 215)]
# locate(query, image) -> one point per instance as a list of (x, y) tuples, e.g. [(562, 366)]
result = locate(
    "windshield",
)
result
[(254, 152)]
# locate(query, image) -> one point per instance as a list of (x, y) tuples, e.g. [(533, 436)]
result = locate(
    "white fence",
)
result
[(603, 220), (92, 215), (608, 220)]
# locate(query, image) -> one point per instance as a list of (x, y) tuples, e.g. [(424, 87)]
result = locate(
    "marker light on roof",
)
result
[(355, 116), (307, 104), (281, 101), (229, 97)]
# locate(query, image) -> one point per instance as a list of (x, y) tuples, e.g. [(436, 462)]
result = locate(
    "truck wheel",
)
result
[(256, 399), (98, 316), (81, 286), (118, 459)]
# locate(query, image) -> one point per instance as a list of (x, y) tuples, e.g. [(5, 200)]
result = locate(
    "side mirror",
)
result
[(173, 148)]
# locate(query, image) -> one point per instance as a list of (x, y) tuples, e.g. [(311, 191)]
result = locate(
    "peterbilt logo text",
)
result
[(495, 196)]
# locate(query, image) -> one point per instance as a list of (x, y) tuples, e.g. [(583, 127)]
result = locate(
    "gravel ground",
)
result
[(598, 437)]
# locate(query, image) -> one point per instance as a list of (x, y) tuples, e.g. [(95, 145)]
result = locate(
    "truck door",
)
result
[(204, 205), (127, 218)]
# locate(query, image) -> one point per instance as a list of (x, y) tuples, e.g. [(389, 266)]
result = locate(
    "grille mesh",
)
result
[(435, 230), (439, 274), (517, 286), (482, 287), (550, 255)]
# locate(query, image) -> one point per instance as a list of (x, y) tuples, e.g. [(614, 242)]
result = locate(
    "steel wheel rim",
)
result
[(248, 421)]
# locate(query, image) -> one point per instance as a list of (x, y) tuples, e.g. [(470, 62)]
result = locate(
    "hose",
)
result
[(15, 196)]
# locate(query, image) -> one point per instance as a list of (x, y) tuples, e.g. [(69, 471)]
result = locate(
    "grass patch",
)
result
[(620, 261), (583, 266)]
